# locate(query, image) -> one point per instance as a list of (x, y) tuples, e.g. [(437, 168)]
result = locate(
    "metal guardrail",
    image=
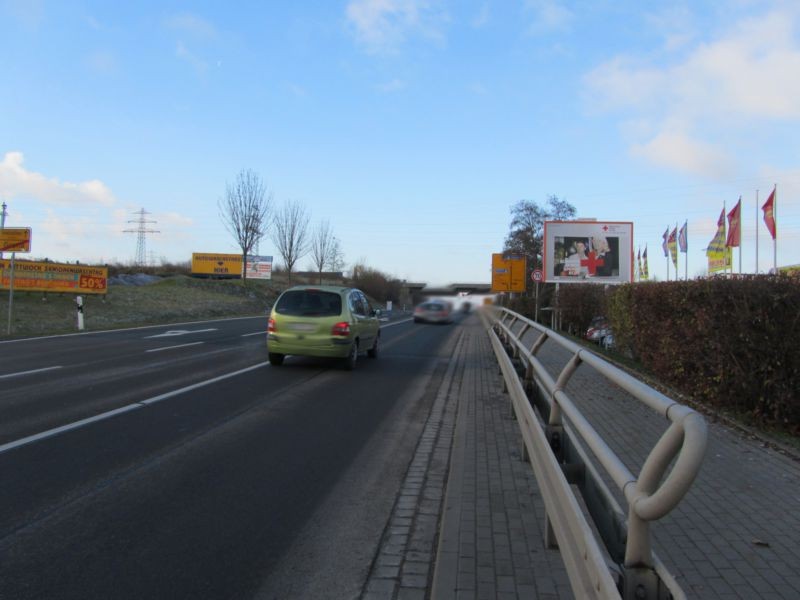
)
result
[(553, 441)]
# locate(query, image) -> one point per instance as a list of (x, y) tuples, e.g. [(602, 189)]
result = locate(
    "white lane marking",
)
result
[(51, 432), (173, 347), (174, 332), (118, 411), (194, 386), (396, 323), (47, 337), (20, 373), (256, 333)]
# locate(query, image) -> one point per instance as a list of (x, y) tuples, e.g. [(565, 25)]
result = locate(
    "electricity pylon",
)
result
[(141, 231)]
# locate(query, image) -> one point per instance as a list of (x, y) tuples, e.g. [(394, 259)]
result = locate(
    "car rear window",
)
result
[(433, 306), (309, 303)]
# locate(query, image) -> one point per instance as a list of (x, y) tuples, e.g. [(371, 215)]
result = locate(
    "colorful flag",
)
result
[(735, 223), (683, 244), (639, 262), (645, 275), (664, 246), (769, 213), (672, 243), (719, 255)]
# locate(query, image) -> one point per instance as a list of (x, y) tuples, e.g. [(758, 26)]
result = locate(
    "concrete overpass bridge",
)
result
[(413, 292)]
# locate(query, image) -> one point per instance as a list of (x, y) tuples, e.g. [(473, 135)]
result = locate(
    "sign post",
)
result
[(537, 275), (11, 291)]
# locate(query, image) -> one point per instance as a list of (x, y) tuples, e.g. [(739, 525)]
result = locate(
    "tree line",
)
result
[(249, 213)]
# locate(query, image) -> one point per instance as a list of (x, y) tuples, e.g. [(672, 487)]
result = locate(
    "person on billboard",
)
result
[(606, 261), (574, 265)]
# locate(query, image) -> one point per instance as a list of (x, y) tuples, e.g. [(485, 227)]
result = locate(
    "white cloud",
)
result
[(548, 15), (678, 151), (192, 24), (383, 25), (720, 86), (16, 182), (173, 219), (197, 63)]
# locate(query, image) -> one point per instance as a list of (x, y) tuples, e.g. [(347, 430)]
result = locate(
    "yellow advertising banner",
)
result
[(32, 276), (508, 273), (220, 265)]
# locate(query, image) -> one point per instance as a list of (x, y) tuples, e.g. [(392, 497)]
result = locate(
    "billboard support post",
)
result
[(11, 291)]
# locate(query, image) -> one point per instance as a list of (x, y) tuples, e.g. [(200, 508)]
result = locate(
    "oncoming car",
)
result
[(322, 321), (433, 311)]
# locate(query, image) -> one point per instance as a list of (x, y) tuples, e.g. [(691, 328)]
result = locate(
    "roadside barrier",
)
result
[(555, 437)]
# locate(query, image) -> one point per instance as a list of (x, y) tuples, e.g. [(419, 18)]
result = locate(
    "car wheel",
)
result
[(373, 352), (275, 359), (352, 357)]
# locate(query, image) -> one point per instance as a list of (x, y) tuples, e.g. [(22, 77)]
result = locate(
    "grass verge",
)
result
[(171, 299)]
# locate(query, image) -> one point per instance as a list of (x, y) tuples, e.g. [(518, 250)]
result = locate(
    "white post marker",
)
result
[(79, 304)]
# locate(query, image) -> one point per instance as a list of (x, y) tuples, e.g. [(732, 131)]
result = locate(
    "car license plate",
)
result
[(304, 327)]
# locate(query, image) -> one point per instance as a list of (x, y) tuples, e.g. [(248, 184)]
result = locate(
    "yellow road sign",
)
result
[(508, 273), (15, 239)]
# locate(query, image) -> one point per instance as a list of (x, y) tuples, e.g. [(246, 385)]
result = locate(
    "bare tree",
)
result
[(246, 211), (290, 233), (322, 247), (336, 257)]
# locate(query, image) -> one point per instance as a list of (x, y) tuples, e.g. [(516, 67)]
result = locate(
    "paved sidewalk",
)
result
[(469, 519)]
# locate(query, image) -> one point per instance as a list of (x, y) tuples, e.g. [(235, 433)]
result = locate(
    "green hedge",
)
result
[(730, 343)]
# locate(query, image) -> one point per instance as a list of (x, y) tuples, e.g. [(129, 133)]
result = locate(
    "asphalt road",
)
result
[(174, 462)]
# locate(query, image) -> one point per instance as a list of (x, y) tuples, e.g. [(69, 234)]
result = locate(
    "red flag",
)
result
[(769, 213), (734, 226)]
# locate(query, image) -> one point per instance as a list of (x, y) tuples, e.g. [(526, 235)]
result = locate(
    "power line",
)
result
[(141, 231)]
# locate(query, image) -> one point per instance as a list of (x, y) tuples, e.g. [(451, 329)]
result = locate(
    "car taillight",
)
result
[(342, 329), (271, 325)]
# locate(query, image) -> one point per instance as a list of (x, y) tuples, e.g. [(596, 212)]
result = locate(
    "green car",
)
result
[(324, 321)]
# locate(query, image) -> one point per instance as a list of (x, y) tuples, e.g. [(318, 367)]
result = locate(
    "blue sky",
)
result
[(412, 126)]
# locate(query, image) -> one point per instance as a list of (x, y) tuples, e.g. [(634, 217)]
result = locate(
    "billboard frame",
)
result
[(598, 252)]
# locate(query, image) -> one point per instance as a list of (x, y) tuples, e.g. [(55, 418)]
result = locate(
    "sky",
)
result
[(411, 126)]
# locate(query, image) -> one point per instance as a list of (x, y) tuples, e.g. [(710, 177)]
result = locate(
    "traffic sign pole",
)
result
[(11, 291)]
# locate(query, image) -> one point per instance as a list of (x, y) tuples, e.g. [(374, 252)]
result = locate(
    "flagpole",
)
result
[(686, 258), (775, 239), (740, 235), (756, 232), (677, 254)]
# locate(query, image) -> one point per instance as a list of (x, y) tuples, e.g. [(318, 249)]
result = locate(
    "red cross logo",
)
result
[(592, 262)]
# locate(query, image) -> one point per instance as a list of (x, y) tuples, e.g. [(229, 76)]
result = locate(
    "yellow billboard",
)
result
[(508, 273), (32, 276), (219, 265)]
